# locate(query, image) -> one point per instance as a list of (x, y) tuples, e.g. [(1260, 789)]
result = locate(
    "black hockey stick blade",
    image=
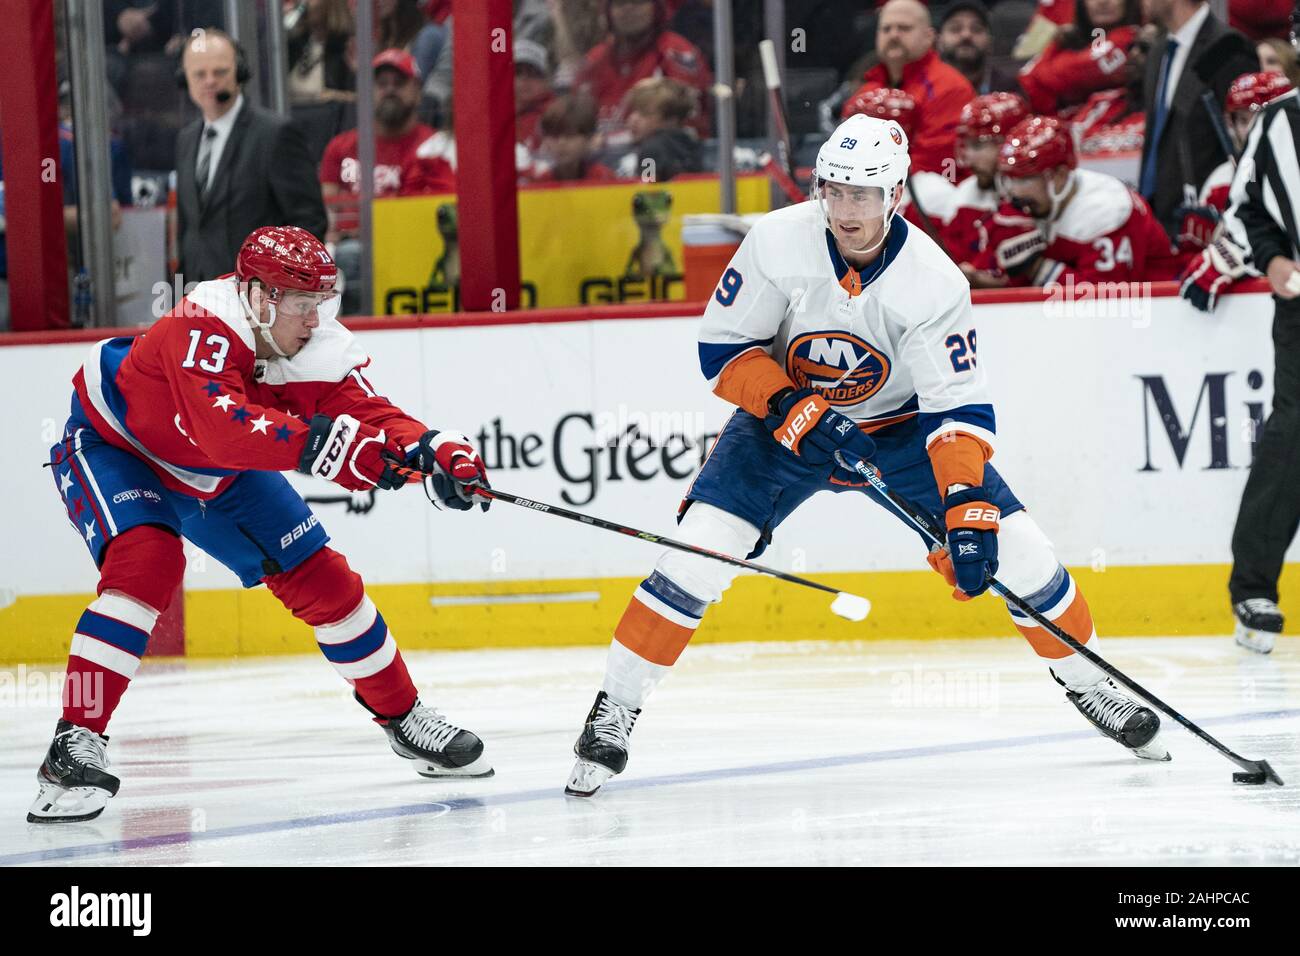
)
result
[(1260, 774)]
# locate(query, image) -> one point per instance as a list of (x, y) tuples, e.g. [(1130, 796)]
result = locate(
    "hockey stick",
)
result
[(1256, 771), (927, 224), (776, 102), (852, 607), (1220, 130)]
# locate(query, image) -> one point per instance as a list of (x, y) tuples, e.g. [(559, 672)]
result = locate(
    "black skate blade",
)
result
[(1261, 774), (586, 794), (81, 818)]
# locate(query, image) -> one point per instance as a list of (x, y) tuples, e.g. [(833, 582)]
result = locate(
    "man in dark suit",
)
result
[(1197, 52), (238, 167)]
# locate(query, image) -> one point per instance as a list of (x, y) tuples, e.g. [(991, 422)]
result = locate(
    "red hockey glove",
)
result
[(1196, 226), (454, 468), (1221, 264)]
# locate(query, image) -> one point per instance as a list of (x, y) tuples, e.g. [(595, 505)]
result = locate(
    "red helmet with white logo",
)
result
[(992, 115), (287, 258), (1251, 91), (884, 103), (1036, 145)]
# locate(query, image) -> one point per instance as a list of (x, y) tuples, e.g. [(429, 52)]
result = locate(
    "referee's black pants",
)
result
[(1270, 505)]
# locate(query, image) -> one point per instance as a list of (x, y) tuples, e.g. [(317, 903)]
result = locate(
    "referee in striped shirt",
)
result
[(1263, 218)]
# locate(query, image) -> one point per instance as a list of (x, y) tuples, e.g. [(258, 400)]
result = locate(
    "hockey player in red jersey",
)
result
[(1063, 224), (984, 124), (1248, 94), (184, 430)]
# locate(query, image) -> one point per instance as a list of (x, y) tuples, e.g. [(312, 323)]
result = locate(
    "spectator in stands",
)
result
[(319, 62), (658, 110), (577, 31), (1198, 53), (119, 165), (399, 170), (569, 143), (132, 27), (639, 46), (397, 24), (908, 61), (1063, 224), (965, 42), (1080, 61), (238, 166), (533, 94), (1280, 57), (532, 21), (1112, 121), (1044, 27)]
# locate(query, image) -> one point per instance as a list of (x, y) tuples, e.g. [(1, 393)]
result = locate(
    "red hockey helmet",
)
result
[(884, 103), (992, 115), (1251, 91), (287, 258), (1036, 145)]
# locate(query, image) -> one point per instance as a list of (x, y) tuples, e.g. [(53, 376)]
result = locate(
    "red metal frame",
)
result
[(29, 128)]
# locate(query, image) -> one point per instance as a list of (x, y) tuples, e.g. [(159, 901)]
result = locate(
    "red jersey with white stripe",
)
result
[(1106, 232), (966, 232), (191, 399)]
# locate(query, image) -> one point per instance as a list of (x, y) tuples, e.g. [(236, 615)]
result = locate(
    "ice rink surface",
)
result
[(934, 752)]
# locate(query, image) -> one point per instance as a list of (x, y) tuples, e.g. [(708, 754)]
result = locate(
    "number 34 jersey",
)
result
[(883, 344)]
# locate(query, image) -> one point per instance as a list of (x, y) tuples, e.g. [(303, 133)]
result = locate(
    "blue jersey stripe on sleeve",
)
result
[(981, 416)]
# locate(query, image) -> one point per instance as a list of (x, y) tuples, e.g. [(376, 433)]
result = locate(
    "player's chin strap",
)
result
[(263, 328), (884, 232), (1057, 199)]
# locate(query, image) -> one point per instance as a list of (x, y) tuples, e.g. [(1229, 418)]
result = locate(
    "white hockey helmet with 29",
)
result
[(864, 151)]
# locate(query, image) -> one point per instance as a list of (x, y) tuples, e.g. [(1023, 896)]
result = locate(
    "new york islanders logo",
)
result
[(842, 367)]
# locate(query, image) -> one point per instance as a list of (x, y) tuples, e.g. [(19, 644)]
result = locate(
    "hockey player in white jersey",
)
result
[(839, 328)]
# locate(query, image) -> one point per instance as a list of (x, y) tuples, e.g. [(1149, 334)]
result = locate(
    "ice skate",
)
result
[(74, 779), (1258, 623), (601, 747), (1120, 718), (439, 748)]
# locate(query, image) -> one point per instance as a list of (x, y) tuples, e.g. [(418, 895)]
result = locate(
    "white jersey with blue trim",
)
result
[(881, 344)]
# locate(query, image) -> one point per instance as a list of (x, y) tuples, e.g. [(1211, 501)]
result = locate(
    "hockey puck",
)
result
[(1250, 778)]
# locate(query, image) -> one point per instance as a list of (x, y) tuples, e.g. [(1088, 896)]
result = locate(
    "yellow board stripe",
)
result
[(908, 605)]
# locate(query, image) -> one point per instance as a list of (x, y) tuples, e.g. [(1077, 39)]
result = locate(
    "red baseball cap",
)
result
[(399, 60)]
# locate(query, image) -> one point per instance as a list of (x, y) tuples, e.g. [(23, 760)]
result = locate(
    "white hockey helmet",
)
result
[(864, 151)]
